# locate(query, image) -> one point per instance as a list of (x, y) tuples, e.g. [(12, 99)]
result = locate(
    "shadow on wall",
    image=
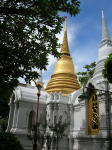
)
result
[(91, 142)]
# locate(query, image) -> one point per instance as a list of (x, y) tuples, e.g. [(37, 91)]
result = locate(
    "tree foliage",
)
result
[(28, 31), (28, 35), (107, 71), (9, 142), (3, 124), (86, 75)]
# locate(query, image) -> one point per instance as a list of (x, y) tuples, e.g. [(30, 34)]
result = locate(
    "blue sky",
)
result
[(84, 34)]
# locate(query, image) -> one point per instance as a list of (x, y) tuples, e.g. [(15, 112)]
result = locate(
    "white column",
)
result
[(11, 116), (14, 118), (70, 143), (75, 144)]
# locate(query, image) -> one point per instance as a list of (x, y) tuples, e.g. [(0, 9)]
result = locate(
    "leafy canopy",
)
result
[(9, 142), (86, 75), (28, 31), (28, 35), (107, 71)]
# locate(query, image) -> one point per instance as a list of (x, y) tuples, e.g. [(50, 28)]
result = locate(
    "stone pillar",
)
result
[(70, 143), (71, 117), (15, 116), (75, 144), (50, 108), (55, 112), (11, 116)]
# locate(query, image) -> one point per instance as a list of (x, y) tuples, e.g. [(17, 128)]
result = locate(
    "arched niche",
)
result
[(31, 120)]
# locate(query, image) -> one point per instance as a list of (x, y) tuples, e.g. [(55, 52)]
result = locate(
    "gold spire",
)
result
[(64, 78), (65, 48)]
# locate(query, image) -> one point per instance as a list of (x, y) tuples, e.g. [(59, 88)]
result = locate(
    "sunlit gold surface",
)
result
[(63, 83), (93, 114), (65, 48), (64, 78), (64, 65)]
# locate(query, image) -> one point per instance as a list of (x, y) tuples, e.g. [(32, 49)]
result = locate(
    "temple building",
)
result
[(70, 117)]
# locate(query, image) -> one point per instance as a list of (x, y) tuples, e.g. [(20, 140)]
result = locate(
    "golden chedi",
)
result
[(64, 79)]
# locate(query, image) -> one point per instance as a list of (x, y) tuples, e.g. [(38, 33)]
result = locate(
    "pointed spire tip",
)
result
[(65, 47), (105, 34), (65, 23), (102, 13)]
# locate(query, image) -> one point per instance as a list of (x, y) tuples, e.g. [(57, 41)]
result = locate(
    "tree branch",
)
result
[(20, 11)]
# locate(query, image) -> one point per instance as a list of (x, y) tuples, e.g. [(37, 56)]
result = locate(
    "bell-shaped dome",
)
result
[(64, 78)]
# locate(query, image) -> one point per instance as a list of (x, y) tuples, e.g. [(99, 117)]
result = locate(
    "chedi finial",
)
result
[(65, 47), (105, 34)]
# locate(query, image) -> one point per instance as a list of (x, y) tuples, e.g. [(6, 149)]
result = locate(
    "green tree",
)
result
[(3, 124), (9, 142), (28, 31), (107, 71), (87, 74)]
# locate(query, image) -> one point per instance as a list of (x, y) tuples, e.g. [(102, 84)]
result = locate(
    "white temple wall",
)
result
[(22, 123), (103, 125), (11, 116), (83, 141), (15, 115), (77, 116), (104, 52)]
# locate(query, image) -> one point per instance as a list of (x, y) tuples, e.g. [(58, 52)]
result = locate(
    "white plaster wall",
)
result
[(11, 116), (83, 112), (104, 52), (77, 118)]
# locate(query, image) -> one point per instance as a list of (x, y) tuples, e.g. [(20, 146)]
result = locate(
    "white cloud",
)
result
[(72, 31), (85, 55), (52, 61), (60, 37), (49, 71)]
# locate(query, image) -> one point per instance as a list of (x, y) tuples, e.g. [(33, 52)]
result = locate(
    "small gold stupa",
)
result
[(64, 79)]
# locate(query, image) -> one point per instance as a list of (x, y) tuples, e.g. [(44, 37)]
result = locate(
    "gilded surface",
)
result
[(64, 65), (93, 115), (65, 48), (64, 78)]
